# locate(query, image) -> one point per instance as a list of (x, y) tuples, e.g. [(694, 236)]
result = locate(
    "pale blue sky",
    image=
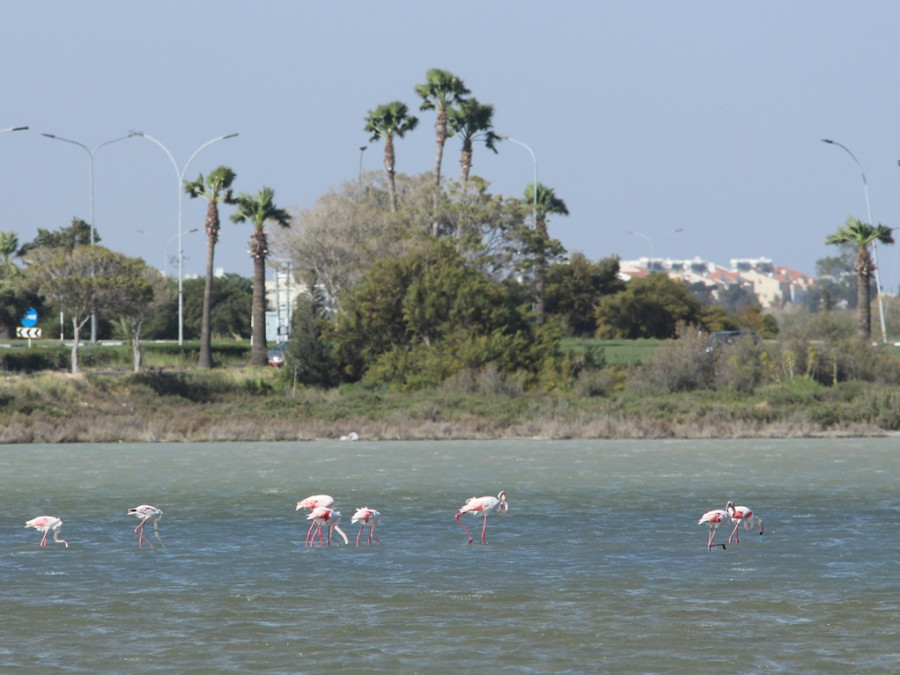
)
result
[(644, 116)]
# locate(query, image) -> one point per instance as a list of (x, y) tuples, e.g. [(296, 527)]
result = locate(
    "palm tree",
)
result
[(441, 91), (259, 210), (546, 203), (860, 235), (385, 122), (215, 189), (9, 243), (472, 121)]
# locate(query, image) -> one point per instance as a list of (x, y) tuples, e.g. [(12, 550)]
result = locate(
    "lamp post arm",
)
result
[(874, 245), (534, 162)]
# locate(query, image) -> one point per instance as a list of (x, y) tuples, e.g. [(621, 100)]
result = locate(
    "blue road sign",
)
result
[(30, 318)]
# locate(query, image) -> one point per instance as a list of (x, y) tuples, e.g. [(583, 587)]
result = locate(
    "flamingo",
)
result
[(48, 524), (325, 516), (311, 503), (366, 517), (742, 514), (485, 506), (147, 513), (715, 518)]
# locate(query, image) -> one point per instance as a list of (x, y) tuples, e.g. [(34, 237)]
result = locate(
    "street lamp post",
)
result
[(3, 131), (650, 241), (534, 186), (180, 173), (874, 244), (91, 162), (165, 264), (362, 149)]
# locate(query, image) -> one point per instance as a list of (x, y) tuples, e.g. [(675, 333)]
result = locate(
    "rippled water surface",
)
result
[(599, 566)]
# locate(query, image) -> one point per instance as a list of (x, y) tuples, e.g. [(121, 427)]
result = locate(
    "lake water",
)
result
[(599, 566)]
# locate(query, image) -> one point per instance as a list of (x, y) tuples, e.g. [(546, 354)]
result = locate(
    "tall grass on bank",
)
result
[(254, 405)]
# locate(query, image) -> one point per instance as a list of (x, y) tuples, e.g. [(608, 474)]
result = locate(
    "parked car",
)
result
[(276, 354), (729, 337)]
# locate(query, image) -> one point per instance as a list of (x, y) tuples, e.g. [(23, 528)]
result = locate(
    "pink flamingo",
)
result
[(329, 517), (366, 517), (742, 514), (714, 518), (485, 506), (48, 524), (147, 513), (311, 503)]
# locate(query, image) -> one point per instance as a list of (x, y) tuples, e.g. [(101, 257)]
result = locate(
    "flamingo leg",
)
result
[(712, 535), (484, 529), (44, 539), (372, 535), (140, 533), (464, 527), (359, 534), (735, 533), (156, 532)]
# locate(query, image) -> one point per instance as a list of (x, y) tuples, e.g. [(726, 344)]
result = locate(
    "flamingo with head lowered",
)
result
[(147, 513), (742, 514), (330, 519), (311, 503), (366, 517), (714, 518), (483, 506), (48, 524)]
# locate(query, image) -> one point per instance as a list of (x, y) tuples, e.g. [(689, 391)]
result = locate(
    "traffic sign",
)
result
[(26, 332), (30, 318)]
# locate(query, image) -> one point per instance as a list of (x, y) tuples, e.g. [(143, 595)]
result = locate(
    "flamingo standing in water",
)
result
[(714, 518), (484, 506), (330, 518), (48, 524), (366, 517), (312, 503), (147, 513), (742, 514)]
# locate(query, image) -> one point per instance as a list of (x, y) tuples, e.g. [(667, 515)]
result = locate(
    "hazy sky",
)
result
[(643, 116)]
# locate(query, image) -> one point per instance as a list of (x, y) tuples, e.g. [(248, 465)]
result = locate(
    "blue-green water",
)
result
[(599, 566)]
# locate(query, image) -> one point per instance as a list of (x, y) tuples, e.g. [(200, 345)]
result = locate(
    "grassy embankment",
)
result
[(171, 401)]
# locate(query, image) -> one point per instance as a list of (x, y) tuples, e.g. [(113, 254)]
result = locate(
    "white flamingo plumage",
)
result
[(366, 517), (330, 519), (48, 524), (147, 513), (742, 514), (483, 506), (313, 502), (714, 518)]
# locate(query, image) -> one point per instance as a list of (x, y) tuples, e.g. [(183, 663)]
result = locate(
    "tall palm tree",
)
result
[(385, 122), (215, 189), (860, 235), (441, 91), (9, 244), (546, 203), (259, 210), (472, 121)]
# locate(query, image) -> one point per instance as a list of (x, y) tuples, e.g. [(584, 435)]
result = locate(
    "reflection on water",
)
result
[(599, 566)]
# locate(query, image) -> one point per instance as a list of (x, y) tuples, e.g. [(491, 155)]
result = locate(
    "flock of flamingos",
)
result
[(324, 516)]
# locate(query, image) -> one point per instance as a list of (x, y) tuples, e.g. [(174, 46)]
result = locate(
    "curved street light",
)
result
[(179, 173), (3, 131), (874, 246), (534, 187), (650, 241), (91, 162)]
